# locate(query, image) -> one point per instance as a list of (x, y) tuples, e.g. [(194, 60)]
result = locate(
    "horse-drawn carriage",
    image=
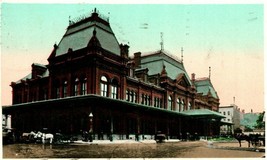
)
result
[(253, 139)]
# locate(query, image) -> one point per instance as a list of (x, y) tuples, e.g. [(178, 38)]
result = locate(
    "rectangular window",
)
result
[(45, 94), (57, 92), (134, 97), (84, 88), (104, 90), (143, 99), (65, 91), (114, 93), (228, 112), (131, 96), (76, 89)]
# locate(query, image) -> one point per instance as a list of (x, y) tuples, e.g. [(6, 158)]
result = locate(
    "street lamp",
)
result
[(91, 127)]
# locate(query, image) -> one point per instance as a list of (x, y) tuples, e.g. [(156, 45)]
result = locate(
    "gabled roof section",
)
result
[(181, 79), (156, 60), (205, 86), (80, 33)]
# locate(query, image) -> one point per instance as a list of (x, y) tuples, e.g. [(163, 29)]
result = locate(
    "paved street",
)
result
[(197, 149)]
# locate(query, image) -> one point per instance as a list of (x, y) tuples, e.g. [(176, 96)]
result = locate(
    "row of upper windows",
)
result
[(109, 89), (78, 88), (180, 104), (224, 113), (131, 96), (224, 119)]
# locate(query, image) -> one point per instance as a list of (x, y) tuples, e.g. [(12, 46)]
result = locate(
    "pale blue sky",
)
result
[(229, 38)]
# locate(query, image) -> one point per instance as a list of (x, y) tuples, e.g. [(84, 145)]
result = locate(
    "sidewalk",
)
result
[(128, 141), (235, 146)]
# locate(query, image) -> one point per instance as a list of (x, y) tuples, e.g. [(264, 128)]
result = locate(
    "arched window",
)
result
[(131, 96), (114, 89), (146, 99), (84, 86), (178, 104), (104, 86), (134, 97), (182, 105), (169, 103), (76, 83), (143, 98), (189, 106), (65, 89)]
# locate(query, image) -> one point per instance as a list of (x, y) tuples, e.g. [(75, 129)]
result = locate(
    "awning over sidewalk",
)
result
[(90, 99), (203, 113)]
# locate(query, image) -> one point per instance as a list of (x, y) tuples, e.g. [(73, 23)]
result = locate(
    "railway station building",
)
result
[(92, 83)]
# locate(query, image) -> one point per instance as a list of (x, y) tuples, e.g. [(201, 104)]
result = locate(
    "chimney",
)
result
[(193, 77), (137, 59), (124, 50), (37, 70)]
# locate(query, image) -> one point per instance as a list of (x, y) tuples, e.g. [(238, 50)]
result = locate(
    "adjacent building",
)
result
[(91, 83), (232, 118)]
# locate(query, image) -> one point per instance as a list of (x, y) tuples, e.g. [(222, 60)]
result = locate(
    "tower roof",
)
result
[(79, 34), (156, 60), (205, 86)]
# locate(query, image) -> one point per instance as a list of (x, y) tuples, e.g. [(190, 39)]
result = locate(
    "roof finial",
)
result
[(161, 43), (182, 56), (234, 99), (209, 72), (69, 21)]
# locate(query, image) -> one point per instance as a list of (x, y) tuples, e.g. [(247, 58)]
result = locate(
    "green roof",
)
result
[(155, 61), (78, 36), (205, 86), (203, 113)]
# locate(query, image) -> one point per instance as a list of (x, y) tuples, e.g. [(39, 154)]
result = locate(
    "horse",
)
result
[(241, 137), (45, 136), (28, 137)]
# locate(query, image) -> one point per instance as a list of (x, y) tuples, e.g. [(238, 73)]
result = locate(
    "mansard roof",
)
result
[(80, 33), (205, 86), (156, 60)]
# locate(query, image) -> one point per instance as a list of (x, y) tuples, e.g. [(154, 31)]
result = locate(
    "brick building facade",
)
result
[(90, 72)]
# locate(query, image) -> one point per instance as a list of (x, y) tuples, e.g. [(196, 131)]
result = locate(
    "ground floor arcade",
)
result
[(107, 118)]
